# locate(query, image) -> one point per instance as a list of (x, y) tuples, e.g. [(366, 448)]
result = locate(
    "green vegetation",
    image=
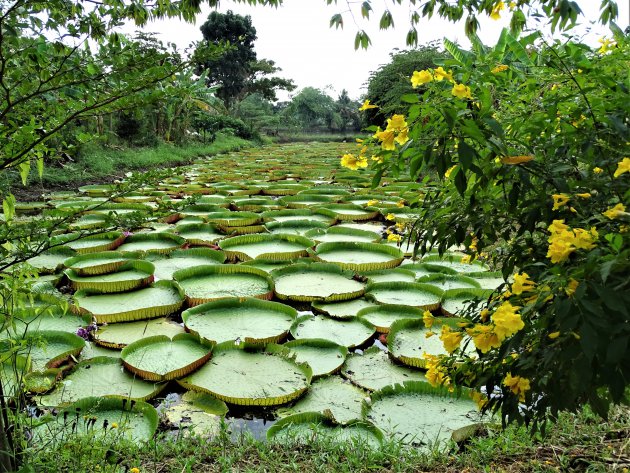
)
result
[(581, 442)]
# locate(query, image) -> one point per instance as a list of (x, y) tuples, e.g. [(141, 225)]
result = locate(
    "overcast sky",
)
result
[(298, 38)]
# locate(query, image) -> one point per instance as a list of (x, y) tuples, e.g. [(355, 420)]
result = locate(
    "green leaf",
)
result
[(8, 207), (387, 20), (410, 98), (366, 8), (466, 154), (337, 21), (24, 167)]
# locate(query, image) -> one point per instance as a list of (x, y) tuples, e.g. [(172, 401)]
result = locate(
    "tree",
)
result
[(237, 70), (348, 110), (390, 82), (313, 109)]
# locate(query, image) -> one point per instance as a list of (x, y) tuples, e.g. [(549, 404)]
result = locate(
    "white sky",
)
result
[(298, 38)]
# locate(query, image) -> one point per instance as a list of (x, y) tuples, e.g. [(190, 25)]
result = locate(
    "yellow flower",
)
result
[(372, 202), (484, 315), (402, 137), (484, 337), (134, 470), (428, 319), (429, 334), (420, 77), (394, 237), (435, 374), (396, 123), (480, 399), (450, 339), (473, 244), (615, 212), (495, 14), (584, 195), (448, 172), (517, 385), (522, 284), (499, 68), (571, 287), (353, 162), (598, 170), (585, 240), (622, 166), (557, 226), (560, 247), (441, 74), (400, 204), (461, 91), (607, 45), (390, 217), (554, 335), (400, 226), (367, 105), (466, 259), (387, 139), (515, 159), (559, 200), (506, 321), (114, 425), (377, 159)]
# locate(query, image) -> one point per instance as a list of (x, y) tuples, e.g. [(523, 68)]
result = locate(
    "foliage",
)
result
[(237, 71), (313, 108), (390, 82), (524, 146), (561, 14)]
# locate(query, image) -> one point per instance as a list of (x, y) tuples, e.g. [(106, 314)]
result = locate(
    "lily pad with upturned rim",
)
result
[(167, 265), (390, 275), (305, 427), (119, 335), (358, 256), (160, 299), (250, 378), (331, 396), (89, 244), (100, 377), (456, 300), (373, 370), (199, 233), (152, 243), (323, 356), (347, 333), (383, 316), (208, 283), (338, 234), (315, 282), (417, 413), (93, 264), (52, 260), (266, 246), (342, 310), (49, 348), (161, 358), (348, 212), (248, 319), (295, 227), (419, 295), (133, 274)]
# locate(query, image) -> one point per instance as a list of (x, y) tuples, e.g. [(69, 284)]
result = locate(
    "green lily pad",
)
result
[(323, 356), (93, 264), (133, 274), (333, 397), (160, 358), (423, 296), (373, 370), (165, 267), (48, 349), (342, 234), (119, 335), (342, 310), (250, 378), (208, 283), (347, 333), (100, 377), (358, 256), (265, 246), (152, 243), (383, 316), (247, 319)]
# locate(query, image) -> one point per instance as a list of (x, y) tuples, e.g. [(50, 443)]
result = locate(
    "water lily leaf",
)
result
[(373, 370), (119, 335), (424, 296), (358, 256), (347, 333), (265, 246), (383, 316), (132, 274), (247, 319), (323, 356)]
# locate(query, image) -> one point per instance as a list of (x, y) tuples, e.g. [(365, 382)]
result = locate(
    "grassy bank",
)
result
[(582, 442), (96, 164)]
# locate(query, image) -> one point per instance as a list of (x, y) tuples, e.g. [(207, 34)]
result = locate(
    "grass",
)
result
[(99, 164), (577, 442), (319, 137)]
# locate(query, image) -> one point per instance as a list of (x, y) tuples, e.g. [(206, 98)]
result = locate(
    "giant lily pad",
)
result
[(50, 348), (358, 256), (383, 316), (282, 247), (446, 281), (102, 418), (208, 283), (456, 300), (295, 227), (305, 427), (89, 244), (159, 299), (100, 377), (131, 275), (456, 263), (152, 243), (323, 356), (423, 296), (347, 333), (417, 413), (118, 336), (349, 212), (202, 234), (373, 370), (247, 319), (342, 310), (316, 282), (333, 397), (165, 267), (199, 412), (93, 264), (52, 260), (408, 342), (160, 358), (341, 234), (250, 378)]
